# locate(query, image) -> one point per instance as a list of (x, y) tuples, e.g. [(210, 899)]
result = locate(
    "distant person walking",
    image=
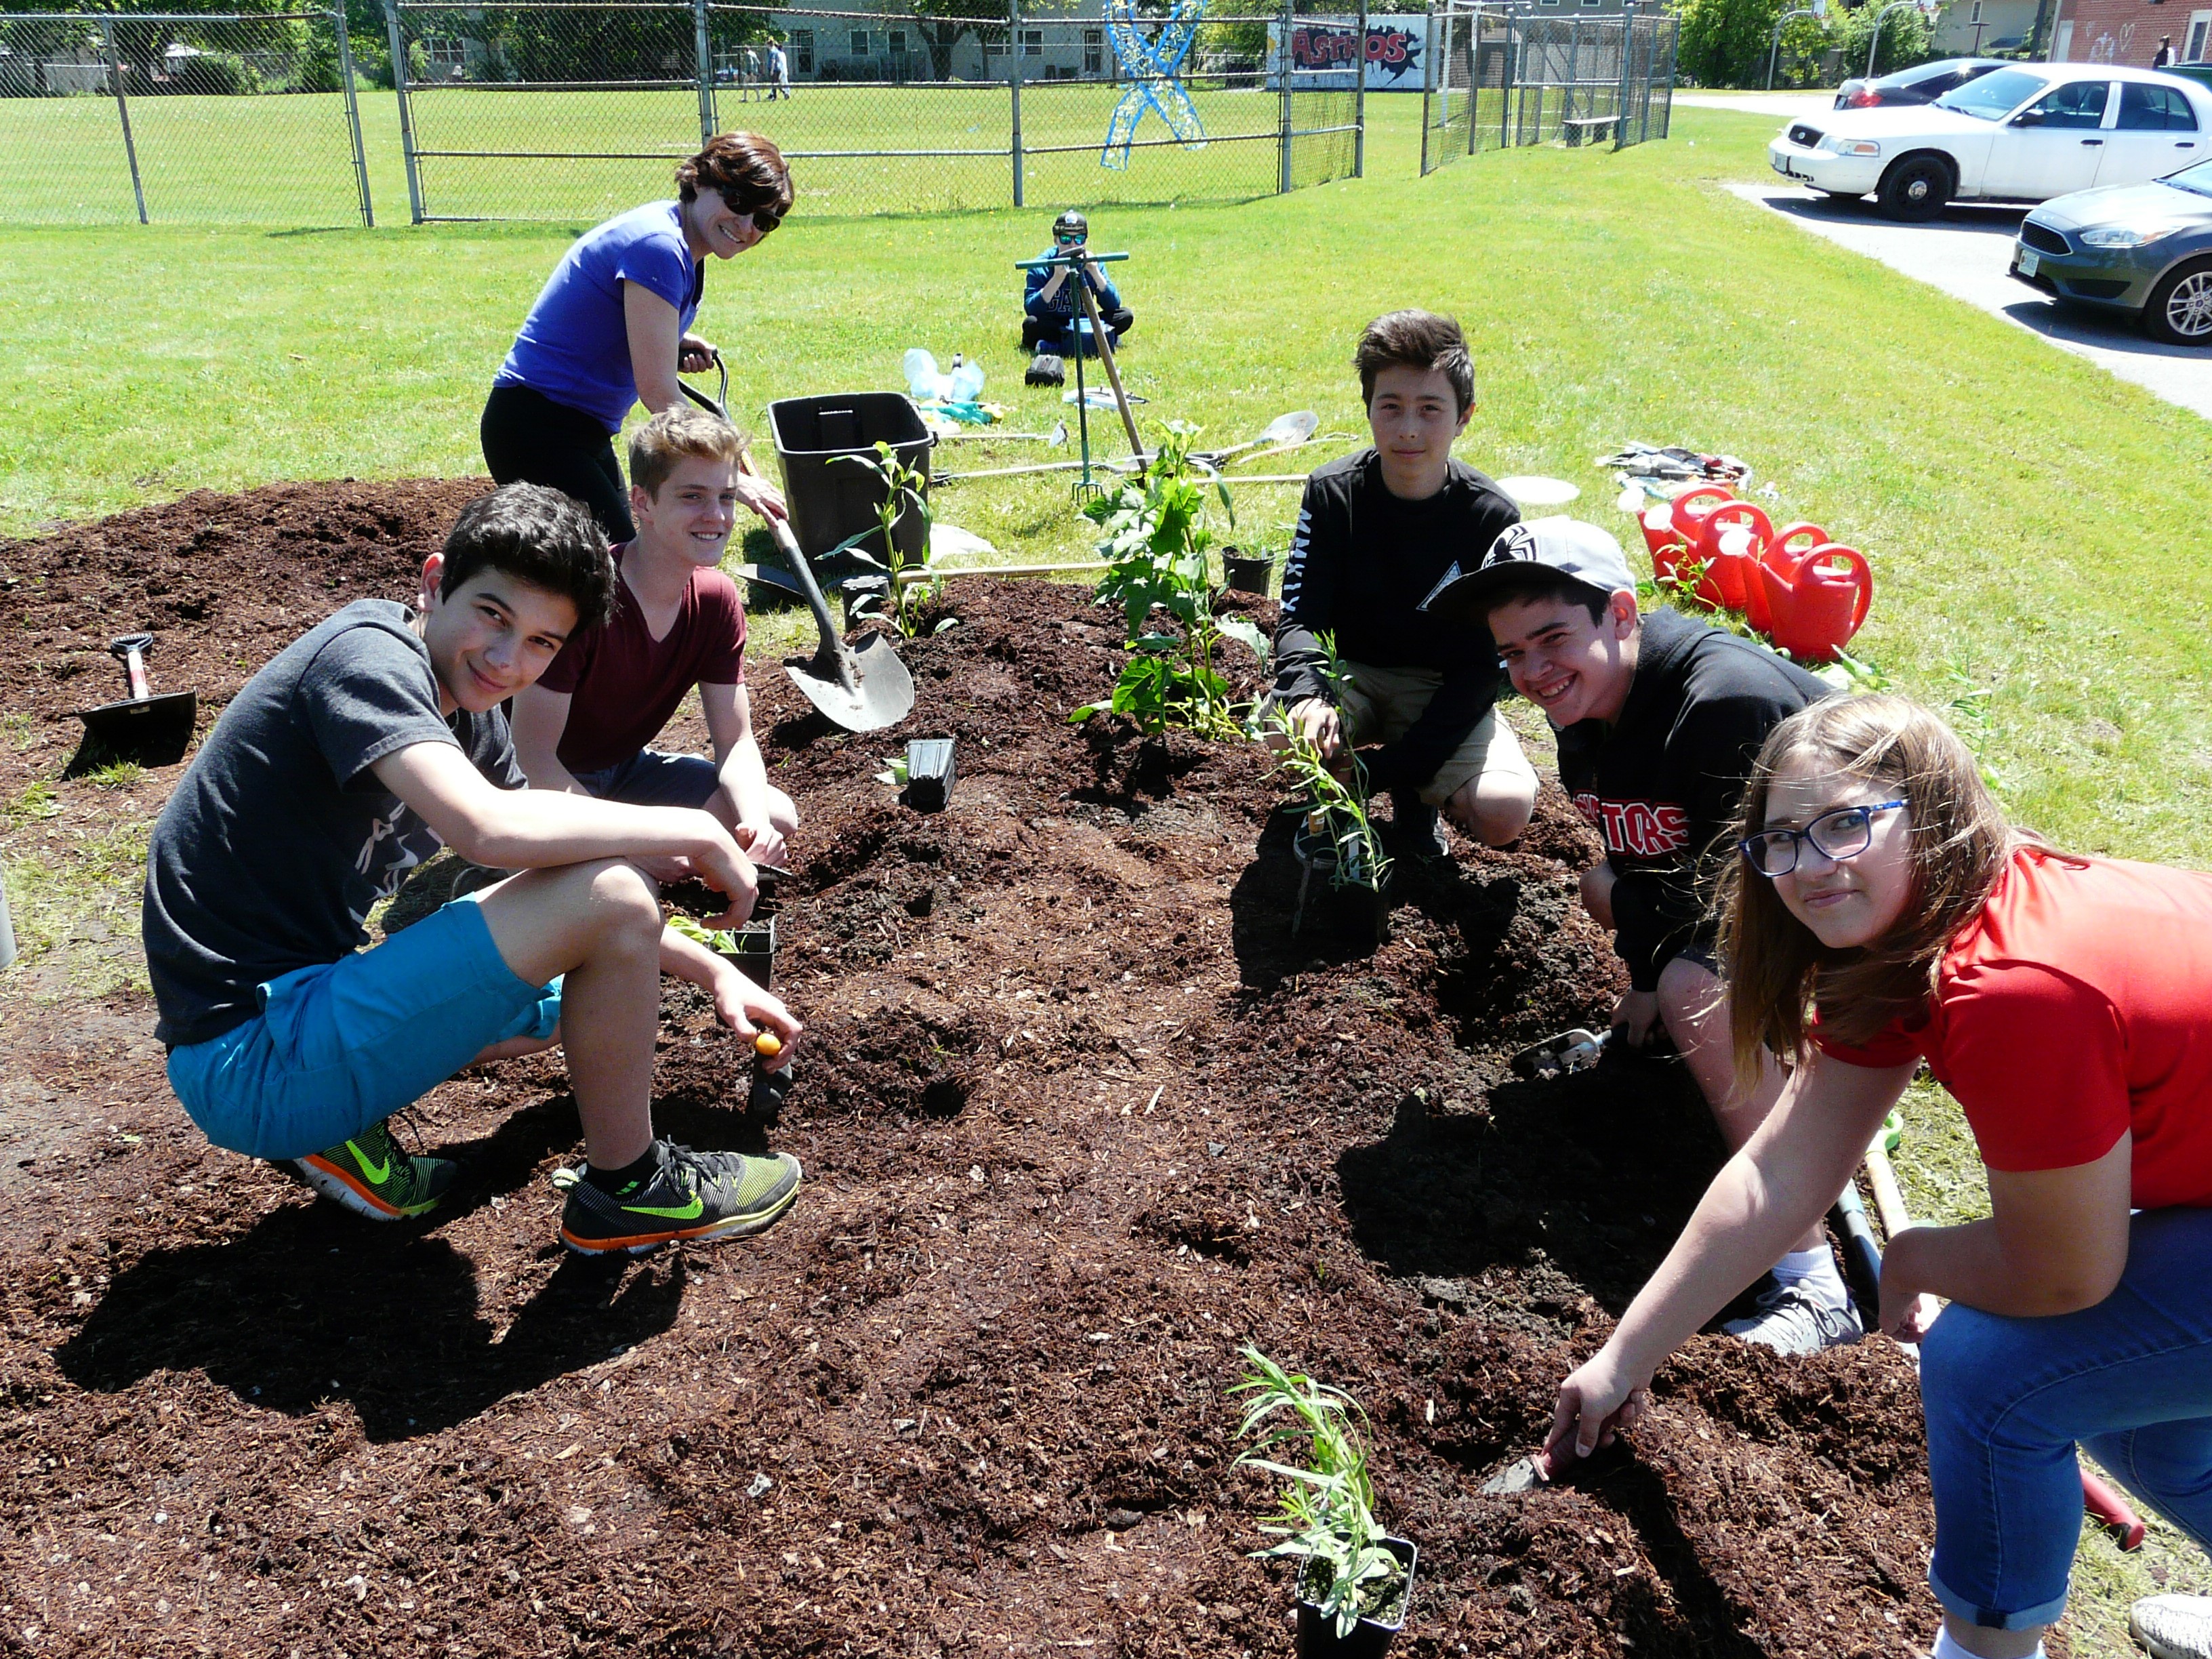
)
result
[(779, 71), (612, 328), (2164, 55)]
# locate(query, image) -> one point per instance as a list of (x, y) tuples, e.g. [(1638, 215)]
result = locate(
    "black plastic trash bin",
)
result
[(831, 499)]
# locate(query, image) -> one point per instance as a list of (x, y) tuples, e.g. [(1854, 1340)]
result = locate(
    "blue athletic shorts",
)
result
[(649, 778), (343, 1045)]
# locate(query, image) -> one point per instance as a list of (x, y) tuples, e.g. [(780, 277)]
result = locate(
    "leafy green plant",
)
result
[(1155, 547), (1338, 789), (1326, 1520), (904, 491)]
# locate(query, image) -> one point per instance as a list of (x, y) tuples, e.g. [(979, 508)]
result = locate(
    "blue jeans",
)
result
[(344, 1044), (2008, 1400), (650, 778)]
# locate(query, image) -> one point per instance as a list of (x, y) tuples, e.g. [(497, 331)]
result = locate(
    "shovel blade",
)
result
[(862, 687), (148, 730)]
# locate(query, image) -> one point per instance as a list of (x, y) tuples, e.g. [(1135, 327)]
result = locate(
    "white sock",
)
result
[(1813, 1272), (1945, 1648)]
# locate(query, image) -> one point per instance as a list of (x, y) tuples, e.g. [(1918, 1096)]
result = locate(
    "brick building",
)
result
[(2127, 31)]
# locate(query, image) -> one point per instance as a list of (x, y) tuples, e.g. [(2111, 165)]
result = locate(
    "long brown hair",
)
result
[(1774, 965)]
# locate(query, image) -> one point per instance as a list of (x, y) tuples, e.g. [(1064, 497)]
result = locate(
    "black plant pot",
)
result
[(753, 950), (871, 594), (1370, 1638), (930, 768), (1248, 573), (1328, 904)]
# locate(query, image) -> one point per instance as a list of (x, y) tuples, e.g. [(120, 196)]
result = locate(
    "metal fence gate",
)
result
[(1500, 78), (180, 118), (575, 109)]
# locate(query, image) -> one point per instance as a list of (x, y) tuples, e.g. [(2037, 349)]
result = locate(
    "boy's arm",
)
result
[(743, 773), (1310, 574), (539, 719), (541, 828)]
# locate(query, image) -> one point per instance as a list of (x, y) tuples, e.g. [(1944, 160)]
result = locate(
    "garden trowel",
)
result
[(149, 730), (1557, 1056)]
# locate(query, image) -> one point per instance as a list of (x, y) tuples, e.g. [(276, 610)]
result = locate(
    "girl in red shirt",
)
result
[(2067, 1003)]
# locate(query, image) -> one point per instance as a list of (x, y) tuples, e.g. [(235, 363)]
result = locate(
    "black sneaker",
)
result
[(371, 1177), (1415, 827), (702, 1195)]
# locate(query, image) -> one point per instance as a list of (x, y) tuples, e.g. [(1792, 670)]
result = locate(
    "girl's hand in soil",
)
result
[(1634, 1016), (747, 1010), (1595, 1403)]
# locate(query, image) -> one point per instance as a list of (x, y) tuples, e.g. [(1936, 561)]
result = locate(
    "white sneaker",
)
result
[(2174, 1626), (1791, 1321)]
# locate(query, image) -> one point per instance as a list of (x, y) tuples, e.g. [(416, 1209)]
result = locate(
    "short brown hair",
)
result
[(747, 169), (1418, 340), (677, 435), (1774, 966)]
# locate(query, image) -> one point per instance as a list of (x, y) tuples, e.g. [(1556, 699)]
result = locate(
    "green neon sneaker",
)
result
[(371, 1177), (701, 1195)]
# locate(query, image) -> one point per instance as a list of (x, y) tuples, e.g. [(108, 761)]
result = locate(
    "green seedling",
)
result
[(1326, 1518), (1339, 798), (714, 939), (903, 492), (1155, 547), (894, 772)]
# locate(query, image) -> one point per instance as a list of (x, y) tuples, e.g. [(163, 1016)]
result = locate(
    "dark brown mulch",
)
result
[(1080, 1118)]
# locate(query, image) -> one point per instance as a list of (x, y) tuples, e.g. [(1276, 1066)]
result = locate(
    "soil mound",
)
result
[(1080, 1117)]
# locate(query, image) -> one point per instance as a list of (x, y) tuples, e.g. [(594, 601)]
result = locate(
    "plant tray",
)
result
[(753, 951), (930, 768), (1370, 1638)]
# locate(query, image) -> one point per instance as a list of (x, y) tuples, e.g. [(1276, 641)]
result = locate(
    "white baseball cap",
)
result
[(1580, 551)]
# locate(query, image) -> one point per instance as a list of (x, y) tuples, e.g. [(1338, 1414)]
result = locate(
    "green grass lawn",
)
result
[(2032, 523)]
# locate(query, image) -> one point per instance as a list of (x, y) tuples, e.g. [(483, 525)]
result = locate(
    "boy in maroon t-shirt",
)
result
[(676, 622)]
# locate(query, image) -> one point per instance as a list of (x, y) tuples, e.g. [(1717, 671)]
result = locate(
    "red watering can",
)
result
[(1663, 540), (1818, 601), (1729, 555), (1690, 507), (1787, 547)]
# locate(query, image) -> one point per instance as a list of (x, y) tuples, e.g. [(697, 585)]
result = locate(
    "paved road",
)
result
[(1784, 104), (1967, 253)]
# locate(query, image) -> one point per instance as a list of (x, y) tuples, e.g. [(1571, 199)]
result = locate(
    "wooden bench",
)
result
[(1582, 129)]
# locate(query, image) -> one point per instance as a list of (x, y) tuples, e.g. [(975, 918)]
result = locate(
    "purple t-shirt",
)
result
[(574, 346)]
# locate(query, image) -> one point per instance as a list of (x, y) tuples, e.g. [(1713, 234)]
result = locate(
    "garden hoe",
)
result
[(862, 687), (143, 728)]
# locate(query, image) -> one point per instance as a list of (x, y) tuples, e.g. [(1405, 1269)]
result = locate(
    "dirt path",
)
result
[(1080, 1118)]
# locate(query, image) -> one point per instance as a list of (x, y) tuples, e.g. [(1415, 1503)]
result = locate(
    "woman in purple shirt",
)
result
[(612, 328)]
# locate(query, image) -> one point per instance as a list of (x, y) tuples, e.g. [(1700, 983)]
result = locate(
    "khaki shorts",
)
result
[(1381, 704)]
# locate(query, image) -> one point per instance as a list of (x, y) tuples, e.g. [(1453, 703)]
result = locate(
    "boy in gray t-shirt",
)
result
[(364, 745)]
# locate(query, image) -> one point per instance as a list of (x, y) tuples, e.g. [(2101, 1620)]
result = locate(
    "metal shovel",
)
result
[(1285, 432), (862, 687), (149, 730), (1557, 1056)]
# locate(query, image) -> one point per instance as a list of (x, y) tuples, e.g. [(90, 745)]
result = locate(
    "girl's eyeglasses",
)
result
[(1843, 834)]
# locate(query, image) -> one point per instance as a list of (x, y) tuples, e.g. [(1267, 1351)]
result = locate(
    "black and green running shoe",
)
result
[(701, 1195), (371, 1177)]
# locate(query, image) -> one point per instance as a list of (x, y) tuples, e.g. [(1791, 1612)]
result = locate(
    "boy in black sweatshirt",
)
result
[(1659, 719), (1374, 532)]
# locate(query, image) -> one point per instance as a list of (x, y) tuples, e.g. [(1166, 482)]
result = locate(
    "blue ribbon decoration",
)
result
[(1153, 65)]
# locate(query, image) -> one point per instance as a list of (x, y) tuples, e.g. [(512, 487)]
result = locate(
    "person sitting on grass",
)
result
[(1054, 326), (1376, 530), (349, 758), (1879, 911), (675, 623), (1658, 721)]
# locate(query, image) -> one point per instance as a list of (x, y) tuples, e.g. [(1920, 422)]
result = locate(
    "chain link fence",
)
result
[(574, 109), (182, 118), (1501, 78)]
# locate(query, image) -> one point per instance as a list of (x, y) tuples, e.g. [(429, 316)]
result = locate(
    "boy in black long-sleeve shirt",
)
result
[(1375, 532), (1659, 719)]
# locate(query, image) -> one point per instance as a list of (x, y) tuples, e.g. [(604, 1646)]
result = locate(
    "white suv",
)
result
[(2015, 135)]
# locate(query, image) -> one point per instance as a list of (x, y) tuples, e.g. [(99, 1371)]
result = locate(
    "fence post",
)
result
[(1667, 114), (1508, 72), (1428, 83), (353, 115), (1014, 90), (1359, 102), (1283, 63), (1627, 52), (123, 109), (706, 57), (406, 115), (1574, 77)]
